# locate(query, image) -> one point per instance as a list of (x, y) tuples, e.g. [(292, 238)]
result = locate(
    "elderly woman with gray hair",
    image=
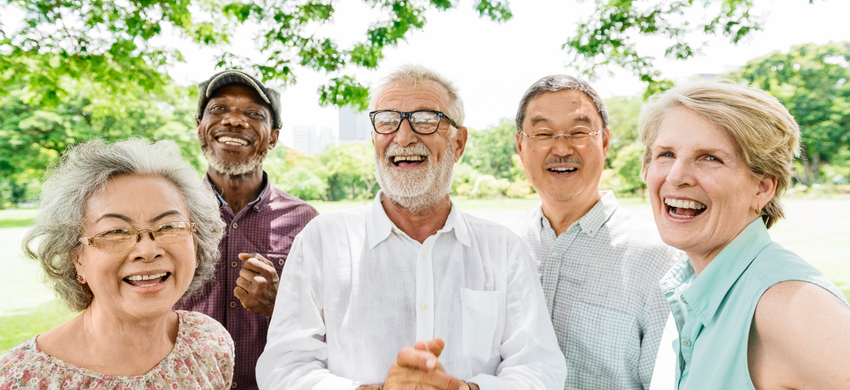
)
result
[(125, 231), (749, 313)]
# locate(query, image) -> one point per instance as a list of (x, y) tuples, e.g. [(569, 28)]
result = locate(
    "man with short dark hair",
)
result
[(239, 121), (410, 292), (599, 264)]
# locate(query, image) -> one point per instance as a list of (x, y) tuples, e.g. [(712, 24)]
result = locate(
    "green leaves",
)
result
[(811, 82), (109, 43), (608, 36)]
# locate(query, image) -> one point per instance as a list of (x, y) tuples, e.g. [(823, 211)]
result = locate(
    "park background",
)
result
[(71, 72)]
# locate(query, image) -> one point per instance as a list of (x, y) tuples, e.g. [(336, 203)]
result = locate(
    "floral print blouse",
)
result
[(202, 358)]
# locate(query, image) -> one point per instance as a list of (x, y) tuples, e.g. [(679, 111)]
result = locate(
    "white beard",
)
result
[(230, 168), (415, 189)]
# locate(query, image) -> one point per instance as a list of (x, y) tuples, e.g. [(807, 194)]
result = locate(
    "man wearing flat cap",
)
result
[(239, 121)]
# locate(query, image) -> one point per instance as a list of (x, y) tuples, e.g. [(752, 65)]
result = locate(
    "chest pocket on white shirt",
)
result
[(480, 319)]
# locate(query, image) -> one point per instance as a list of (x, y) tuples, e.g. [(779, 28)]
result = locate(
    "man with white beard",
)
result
[(409, 291)]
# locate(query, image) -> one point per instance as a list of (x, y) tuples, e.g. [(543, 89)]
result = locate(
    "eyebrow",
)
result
[(579, 119), (130, 220)]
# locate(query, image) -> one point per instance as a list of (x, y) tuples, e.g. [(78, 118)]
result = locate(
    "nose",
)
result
[(561, 146), (146, 249), (405, 134), (680, 174), (234, 119)]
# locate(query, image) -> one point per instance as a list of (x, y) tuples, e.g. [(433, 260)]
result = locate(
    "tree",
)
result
[(489, 151), (812, 82), (608, 36), (623, 114), (351, 171), (110, 45), (32, 137)]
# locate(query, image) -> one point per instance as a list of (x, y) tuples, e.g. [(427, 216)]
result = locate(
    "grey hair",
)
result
[(555, 83), (414, 74), (86, 169)]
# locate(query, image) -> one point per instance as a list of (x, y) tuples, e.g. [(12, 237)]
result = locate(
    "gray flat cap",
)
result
[(233, 76)]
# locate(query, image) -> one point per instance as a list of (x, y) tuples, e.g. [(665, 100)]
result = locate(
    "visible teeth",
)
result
[(409, 158), (145, 277), (232, 141), (678, 203), (562, 169)]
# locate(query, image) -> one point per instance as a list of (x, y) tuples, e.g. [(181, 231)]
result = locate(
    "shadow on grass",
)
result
[(19, 327)]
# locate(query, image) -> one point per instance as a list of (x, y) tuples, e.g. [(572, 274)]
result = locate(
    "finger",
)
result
[(245, 284), (240, 293), (420, 346), (436, 346), (261, 268), (422, 379), (412, 358), (255, 255)]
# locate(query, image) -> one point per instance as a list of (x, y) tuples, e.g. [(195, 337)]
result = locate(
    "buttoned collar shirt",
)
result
[(600, 278), (356, 290), (267, 226)]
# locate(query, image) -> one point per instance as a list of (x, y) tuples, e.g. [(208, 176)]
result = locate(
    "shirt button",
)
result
[(233, 385), (281, 261), (686, 342), (256, 207), (232, 304), (235, 225), (547, 301), (685, 301), (424, 255), (554, 254), (234, 264), (424, 306)]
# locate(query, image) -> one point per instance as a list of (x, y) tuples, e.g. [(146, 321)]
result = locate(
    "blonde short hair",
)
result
[(765, 133)]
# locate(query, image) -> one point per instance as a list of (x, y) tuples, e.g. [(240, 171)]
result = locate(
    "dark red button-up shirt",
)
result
[(266, 226)]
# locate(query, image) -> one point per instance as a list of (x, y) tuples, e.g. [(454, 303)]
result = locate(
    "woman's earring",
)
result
[(81, 280)]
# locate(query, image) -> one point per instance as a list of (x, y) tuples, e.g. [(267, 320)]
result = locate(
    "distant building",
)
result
[(311, 141), (354, 127)]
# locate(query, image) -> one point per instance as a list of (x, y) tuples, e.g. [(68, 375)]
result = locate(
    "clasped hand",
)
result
[(419, 368)]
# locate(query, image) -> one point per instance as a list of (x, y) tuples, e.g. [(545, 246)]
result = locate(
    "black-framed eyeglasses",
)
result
[(578, 136), (421, 121), (121, 239)]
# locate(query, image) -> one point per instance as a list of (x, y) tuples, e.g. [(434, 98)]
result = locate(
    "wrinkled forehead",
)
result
[(411, 95)]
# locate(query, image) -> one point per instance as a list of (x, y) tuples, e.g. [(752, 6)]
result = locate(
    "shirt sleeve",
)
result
[(531, 358), (296, 355)]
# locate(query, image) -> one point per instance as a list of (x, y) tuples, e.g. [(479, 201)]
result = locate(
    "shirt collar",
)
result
[(592, 221), (708, 290), (262, 199), (379, 226)]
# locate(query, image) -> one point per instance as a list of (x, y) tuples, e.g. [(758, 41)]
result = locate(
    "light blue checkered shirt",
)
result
[(600, 279)]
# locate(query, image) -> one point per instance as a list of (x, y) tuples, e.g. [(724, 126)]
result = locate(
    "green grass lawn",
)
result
[(815, 229)]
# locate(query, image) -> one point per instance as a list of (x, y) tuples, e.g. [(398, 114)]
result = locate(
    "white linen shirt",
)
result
[(356, 290)]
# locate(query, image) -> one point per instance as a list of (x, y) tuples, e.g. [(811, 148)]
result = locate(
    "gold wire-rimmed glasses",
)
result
[(577, 136), (117, 240)]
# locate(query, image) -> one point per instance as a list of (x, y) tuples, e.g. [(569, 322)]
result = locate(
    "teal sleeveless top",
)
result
[(714, 311)]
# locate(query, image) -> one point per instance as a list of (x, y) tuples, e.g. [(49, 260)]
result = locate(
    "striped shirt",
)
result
[(600, 279), (268, 225)]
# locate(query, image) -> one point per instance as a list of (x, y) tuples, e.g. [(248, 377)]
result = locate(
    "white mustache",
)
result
[(417, 149)]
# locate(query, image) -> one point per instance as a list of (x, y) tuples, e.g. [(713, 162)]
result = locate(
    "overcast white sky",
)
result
[(493, 64)]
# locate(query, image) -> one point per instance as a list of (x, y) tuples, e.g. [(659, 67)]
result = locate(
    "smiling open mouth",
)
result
[(147, 280), (231, 141), (563, 169), (684, 209), (403, 161)]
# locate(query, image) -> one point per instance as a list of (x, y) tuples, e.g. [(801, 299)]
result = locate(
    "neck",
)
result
[(418, 226), (564, 213), (121, 345), (700, 259), (240, 190)]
